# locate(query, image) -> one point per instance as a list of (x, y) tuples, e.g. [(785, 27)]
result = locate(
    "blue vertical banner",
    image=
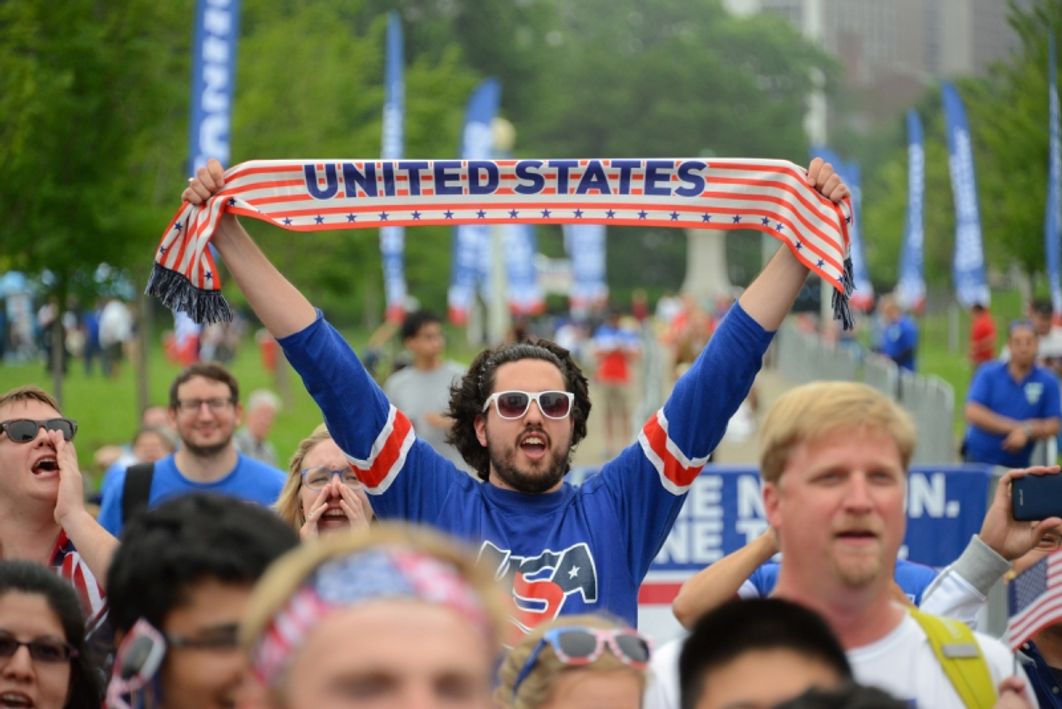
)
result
[(1053, 209), (911, 289), (585, 244), (968, 264), (471, 241), (393, 238), (217, 30), (862, 297), (525, 295)]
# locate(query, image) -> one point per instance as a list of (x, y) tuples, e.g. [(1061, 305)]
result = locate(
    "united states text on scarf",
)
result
[(771, 196)]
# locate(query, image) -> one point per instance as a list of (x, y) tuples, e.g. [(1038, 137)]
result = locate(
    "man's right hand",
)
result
[(207, 182), (1002, 533)]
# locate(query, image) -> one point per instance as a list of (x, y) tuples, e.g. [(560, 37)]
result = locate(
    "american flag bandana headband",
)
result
[(771, 196), (350, 581)]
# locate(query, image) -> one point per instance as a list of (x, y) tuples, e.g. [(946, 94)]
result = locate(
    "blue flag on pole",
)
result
[(525, 295), (968, 265), (585, 244), (1053, 209), (393, 238), (911, 288), (471, 241), (862, 297), (217, 29)]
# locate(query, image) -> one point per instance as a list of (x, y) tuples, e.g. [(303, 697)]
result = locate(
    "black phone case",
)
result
[(1036, 497)]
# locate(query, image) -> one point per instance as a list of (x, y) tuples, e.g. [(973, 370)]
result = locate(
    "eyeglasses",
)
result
[(216, 405), (514, 404), (217, 637), (25, 430), (50, 650), (317, 478), (582, 646)]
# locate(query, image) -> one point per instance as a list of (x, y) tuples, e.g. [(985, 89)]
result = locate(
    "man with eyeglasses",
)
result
[(42, 504), (205, 410), (518, 413), (182, 578)]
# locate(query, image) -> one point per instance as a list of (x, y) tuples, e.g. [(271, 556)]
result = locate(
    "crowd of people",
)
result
[(378, 571)]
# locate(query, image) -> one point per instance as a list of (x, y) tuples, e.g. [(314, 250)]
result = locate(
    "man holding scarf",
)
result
[(518, 413)]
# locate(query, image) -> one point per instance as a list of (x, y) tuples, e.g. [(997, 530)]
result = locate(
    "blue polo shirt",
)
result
[(1034, 397)]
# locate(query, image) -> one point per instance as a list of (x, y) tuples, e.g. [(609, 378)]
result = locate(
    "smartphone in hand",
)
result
[(1036, 497)]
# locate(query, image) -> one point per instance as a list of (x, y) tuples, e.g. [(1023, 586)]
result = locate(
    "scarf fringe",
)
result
[(177, 293), (842, 309)]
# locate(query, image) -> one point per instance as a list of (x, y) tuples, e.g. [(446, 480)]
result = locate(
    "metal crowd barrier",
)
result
[(805, 357)]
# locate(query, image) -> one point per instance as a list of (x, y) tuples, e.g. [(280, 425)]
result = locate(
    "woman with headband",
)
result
[(394, 616), (322, 493), (577, 662)]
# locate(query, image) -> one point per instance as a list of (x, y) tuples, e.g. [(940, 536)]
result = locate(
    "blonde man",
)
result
[(834, 465)]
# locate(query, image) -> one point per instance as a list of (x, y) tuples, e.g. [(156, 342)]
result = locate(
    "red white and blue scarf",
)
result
[(771, 196)]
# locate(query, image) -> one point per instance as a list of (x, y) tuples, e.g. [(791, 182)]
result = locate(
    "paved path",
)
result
[(770, 384)]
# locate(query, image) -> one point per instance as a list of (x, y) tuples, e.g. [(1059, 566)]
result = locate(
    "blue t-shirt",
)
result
[(911, 577), (250, 480), (1035, 396), (576, 550), (899, 341)]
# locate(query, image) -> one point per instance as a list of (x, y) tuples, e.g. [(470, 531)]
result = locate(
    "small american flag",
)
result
[(1034, 599)]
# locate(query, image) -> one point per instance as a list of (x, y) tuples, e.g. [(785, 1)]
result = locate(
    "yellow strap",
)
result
[(960, 655)]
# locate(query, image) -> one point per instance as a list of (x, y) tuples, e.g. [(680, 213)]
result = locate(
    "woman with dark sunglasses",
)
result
[(322, 493), (44, 662), (578, 662), (42, 501)]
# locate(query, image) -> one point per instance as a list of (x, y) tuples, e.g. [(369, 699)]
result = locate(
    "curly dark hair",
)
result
[(468, 395)]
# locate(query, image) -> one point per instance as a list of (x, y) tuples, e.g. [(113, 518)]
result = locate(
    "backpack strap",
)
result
[(136, 490), (960, 657)]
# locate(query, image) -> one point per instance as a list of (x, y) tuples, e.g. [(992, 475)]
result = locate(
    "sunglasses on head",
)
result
[(582, 646), (51, 650), (514, 404), (136, 663), (25, 430)]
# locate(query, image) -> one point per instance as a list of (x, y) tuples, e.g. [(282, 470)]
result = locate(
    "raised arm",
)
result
[(961, 589), (768, 298), (281, 307), (719, 582)]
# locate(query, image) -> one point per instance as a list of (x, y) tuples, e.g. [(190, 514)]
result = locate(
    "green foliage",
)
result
[(1007, 112), (85, 91), (674, 77), (1014, 142)]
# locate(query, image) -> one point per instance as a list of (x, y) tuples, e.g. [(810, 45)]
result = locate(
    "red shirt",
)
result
[(982, 339)]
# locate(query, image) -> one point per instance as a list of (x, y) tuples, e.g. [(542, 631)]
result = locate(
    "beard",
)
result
[(554, 466), (857, 574), (205, 451)]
